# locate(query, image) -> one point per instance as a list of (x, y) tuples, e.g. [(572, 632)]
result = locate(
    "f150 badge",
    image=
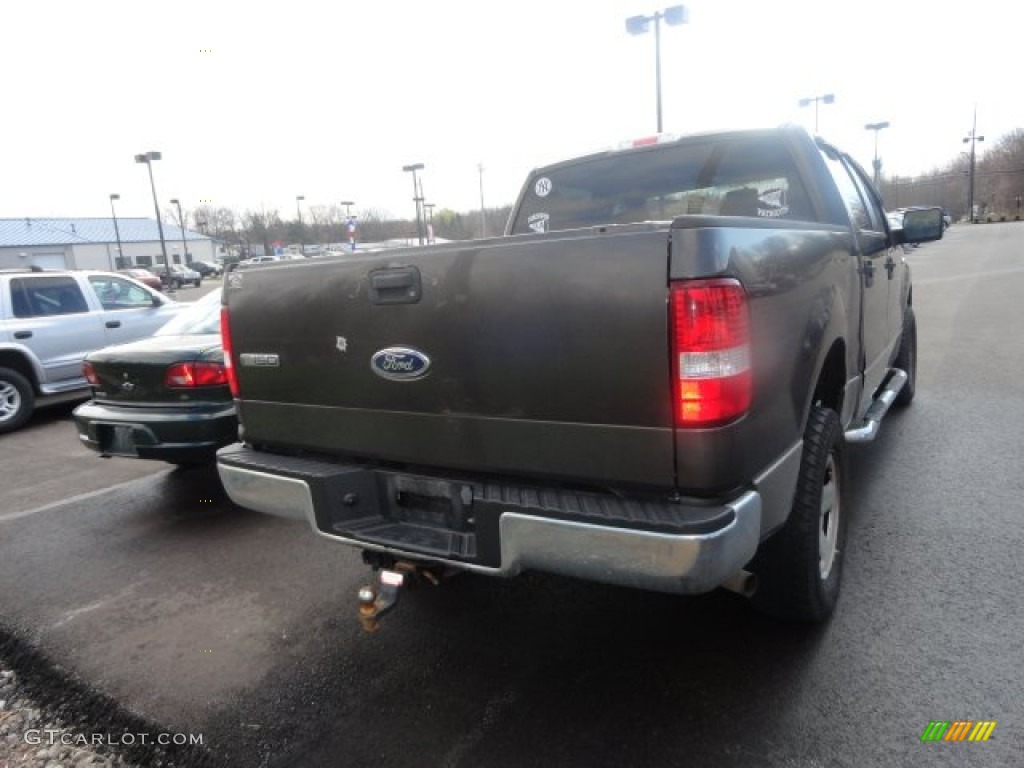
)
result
[(400, 364)]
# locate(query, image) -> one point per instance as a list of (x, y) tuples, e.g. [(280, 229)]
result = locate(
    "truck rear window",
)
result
[(727, 177)]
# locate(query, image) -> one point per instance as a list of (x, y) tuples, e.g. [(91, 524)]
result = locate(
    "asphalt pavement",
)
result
[(146, 592)]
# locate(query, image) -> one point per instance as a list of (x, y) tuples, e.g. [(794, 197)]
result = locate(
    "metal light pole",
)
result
[(181, 223), (973, 138), (428, 217), (638, 25), (876, 164), (417, 196), (117, 232), (298, 210), (827, 98), (483, 210), (349, 223), (148, 158)]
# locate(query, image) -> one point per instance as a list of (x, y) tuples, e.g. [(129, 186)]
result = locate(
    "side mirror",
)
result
[(920, 225)]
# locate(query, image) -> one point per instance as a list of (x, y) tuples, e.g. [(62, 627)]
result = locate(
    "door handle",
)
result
[(113, 323), (890, 266), (23, 334)]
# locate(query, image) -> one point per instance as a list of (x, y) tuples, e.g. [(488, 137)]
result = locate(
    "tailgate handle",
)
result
[(395, 285)]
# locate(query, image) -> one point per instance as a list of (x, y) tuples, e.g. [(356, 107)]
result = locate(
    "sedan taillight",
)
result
[(190, 375)]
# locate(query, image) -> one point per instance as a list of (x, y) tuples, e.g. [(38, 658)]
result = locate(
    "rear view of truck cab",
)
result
[(645, 382)]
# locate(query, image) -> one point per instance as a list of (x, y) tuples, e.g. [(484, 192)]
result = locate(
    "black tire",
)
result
[(17, 400), (906, 358), (799, 568)]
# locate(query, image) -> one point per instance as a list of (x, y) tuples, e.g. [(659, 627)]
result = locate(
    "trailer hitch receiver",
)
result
[(376, 600)]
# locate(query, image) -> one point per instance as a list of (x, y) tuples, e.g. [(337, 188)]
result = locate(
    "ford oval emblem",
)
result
[(400, 364)]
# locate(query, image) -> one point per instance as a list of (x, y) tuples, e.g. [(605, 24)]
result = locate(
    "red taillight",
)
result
[(190, 375), (711, 352), (90, 374), (225, 343)]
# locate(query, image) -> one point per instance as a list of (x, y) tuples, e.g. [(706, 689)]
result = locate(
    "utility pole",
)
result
[(483, 210), (973, 137)]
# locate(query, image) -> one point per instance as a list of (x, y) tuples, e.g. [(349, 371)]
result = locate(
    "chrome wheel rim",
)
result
[(10, 400), (828, 521)]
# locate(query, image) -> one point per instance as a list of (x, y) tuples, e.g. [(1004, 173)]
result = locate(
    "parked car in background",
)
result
[(49, 321), (206, 268), (179, 276), (144, 276), (165, 397), (260, 260)]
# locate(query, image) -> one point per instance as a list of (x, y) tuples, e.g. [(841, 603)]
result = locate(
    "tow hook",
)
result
[(376, 600)]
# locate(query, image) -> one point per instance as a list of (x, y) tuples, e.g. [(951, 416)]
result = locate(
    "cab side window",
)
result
[(855, 205), (46, 296), (872, 205), (865, 213), (117, 293)]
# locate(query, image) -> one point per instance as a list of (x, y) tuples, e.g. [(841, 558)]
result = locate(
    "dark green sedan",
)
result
[(165, 397)]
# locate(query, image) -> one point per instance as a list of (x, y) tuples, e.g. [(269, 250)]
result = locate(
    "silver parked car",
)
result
[(50, 319)]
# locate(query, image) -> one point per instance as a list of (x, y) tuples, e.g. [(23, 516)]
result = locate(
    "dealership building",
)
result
[(99, 244)]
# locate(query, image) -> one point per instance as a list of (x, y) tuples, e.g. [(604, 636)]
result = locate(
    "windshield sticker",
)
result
[(538, 222), (542, 187)]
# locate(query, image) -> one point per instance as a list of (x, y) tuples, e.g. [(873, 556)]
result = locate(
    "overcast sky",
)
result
[(254, 103)]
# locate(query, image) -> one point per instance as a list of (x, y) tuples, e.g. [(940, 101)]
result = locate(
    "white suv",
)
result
[(50, 319)]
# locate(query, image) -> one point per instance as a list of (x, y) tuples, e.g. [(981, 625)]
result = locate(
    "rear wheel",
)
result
[(906, 357), (799, 568), (16, 400)]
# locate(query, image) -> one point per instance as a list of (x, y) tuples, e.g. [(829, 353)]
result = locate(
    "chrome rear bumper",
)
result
[(698, 559)]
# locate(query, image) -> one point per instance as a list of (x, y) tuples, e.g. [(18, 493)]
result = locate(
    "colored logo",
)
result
[(400, 364), (958, 730)]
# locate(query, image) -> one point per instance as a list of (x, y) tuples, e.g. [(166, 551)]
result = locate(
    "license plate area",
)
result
[(117, 440), (433, 503), (405, 512)]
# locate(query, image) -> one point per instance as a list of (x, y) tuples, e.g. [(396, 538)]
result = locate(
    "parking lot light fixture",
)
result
[(417, 196), (638, 25), (181, 223), (825, 98), (148, 158), (876, 163), (121, 264)]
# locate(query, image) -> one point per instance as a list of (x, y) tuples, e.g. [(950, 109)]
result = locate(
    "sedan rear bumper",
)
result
[(503, 530), (171, 434)]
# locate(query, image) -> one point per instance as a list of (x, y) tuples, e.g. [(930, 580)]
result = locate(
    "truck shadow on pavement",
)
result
[(492, 672)]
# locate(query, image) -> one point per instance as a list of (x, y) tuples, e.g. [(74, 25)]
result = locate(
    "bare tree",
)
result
[(262, 225)]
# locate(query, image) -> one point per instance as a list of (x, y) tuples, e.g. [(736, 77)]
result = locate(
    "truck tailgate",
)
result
[(548, 355)]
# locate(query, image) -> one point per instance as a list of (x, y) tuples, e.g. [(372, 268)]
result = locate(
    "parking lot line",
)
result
[(5, 517)]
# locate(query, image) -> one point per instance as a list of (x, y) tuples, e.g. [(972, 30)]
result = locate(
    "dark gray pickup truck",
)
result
[(648, 381)]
